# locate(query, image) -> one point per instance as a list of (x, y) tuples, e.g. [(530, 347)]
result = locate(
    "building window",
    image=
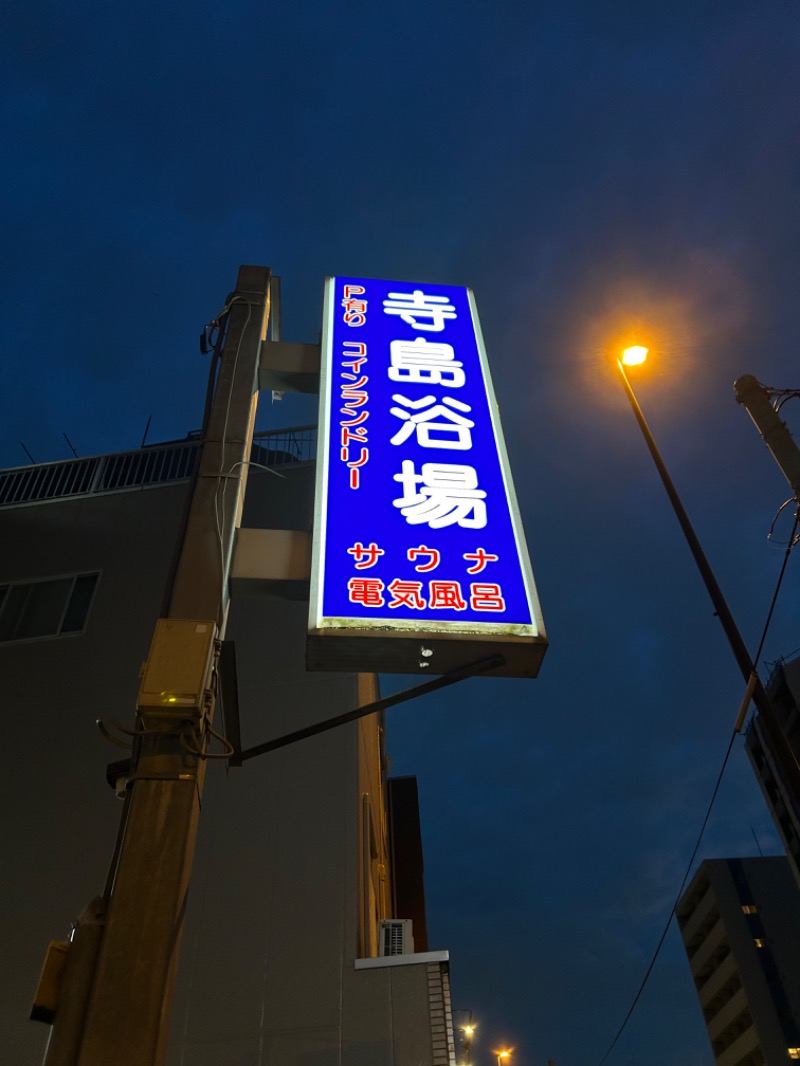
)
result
[(33, 609), (794, 1052), (759, 943), (749, 908)]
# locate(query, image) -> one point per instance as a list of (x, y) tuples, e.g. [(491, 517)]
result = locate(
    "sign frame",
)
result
[(385, 642)]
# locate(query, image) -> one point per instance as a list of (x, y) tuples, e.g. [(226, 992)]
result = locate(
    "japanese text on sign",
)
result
[(417, 526)]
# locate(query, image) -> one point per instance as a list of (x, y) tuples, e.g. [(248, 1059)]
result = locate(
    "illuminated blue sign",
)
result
[(418, 548)]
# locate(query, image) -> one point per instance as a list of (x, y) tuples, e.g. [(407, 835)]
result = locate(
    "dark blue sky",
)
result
[(589, 169)]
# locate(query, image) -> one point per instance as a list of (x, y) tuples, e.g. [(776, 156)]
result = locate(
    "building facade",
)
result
[(740, 923), (783, 689), (296, 888)]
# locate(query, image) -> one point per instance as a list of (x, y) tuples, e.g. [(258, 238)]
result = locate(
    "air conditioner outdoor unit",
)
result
[(396, 937)]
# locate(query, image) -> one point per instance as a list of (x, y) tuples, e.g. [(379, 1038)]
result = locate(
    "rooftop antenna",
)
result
[(146, 430), (758, 845), (275, 305), (27, 453), (71, 445)]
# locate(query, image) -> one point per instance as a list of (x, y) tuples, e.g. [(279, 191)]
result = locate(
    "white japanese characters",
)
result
[(451, 431), (415, 350), (448, 494), (421, 362), (419, 310)]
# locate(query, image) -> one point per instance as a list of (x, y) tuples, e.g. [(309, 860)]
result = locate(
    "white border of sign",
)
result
[(487, 636)]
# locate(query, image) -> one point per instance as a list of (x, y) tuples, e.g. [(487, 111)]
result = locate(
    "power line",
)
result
[(668, 922), (717, 785)]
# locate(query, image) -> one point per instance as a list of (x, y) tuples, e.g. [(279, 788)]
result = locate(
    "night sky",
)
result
[(595, 171)]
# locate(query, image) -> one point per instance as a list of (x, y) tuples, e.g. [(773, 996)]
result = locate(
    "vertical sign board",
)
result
[(419, 561)]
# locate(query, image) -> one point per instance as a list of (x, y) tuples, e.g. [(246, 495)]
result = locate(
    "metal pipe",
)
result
[(771, 723)]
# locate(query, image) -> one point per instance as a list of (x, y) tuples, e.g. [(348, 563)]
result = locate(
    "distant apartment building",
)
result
[(784, 691), (740, 923), (305, 937)]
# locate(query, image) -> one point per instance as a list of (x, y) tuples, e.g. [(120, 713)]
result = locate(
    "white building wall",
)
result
[(268, 961)]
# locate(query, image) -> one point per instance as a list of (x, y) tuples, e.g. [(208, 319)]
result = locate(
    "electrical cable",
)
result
[(781, 396), (101, 725), (211, 387), (662, 938), (219, 495), (778, 513), (794, 538), (668, 922), (245, 462), (110, 737), (229, 748), (792, 543)]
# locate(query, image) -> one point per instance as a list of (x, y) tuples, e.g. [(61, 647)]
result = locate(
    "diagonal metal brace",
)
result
[(463, 672)]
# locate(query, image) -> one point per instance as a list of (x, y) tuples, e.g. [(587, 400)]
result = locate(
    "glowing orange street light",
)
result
[(503, 1056), (635, 355)]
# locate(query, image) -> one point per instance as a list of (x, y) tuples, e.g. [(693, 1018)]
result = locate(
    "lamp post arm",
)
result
[(721, 609)]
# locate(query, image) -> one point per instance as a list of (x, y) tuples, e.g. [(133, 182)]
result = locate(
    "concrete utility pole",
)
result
[(116, 998), (755, 399)]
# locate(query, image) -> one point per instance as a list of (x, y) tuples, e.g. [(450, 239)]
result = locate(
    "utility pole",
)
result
[(118, 986), (755, 399)]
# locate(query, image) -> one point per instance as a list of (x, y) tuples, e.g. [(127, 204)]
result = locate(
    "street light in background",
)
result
[(755, 691), (503, 1056), (468, 1032), (466, 1041)]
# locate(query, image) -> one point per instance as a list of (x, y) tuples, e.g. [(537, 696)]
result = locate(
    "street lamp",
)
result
[(634, 357), (503, 1056), (468, 1032), (755, 690)]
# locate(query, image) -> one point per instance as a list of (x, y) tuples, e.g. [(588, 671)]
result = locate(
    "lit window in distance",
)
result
[(794, 1052), (749, 908), (759, 943)]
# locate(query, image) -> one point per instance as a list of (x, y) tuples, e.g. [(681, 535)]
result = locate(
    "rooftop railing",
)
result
[(155, 465)]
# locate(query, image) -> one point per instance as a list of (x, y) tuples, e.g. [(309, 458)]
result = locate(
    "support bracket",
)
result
[(463, 672)]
